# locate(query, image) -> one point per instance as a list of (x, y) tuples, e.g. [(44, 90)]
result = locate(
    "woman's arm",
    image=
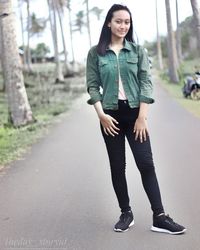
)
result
[(107, 121), (93, 88), (140, 127), (92, 77), (146, 88), (144, 77)]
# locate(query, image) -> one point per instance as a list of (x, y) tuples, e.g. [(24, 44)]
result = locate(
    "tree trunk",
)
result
[(3, 87), (159, 50), (196, 15), (172, 54), (29, 61), (58, 73), (88, 22), (178, 35), (22, 30), (63, 40), (0, 38), (52, 25), (71, 33), (19, 108)]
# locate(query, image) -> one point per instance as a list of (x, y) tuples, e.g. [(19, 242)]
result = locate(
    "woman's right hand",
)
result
[(109, 124)]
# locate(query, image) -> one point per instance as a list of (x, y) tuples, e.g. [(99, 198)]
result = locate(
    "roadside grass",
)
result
[(175, 90), (48, 102), (14, 142)]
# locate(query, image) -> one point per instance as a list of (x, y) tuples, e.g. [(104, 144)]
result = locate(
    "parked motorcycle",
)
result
[(191, 86)]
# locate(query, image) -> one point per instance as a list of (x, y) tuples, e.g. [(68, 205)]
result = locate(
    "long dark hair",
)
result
[(105, 36)]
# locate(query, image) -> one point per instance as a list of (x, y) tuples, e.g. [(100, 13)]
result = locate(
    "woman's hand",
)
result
[(109, 124), (140, 129)]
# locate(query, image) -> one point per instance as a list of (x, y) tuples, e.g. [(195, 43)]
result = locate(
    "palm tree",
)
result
[(37, 25), (19, 109), (3, 87), (159, 50), (60, 5), (172, 54), (88, 21), (22, 30), (97, 12), (178, 35), (0, 38), (52, 17), (196, 15), (28, 56), (70, 28), (79, 21)]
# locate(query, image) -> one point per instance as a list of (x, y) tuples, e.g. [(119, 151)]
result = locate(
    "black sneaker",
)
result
[(125, 222), (165, 224)]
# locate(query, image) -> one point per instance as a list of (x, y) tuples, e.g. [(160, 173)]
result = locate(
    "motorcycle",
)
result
[(191, 86)]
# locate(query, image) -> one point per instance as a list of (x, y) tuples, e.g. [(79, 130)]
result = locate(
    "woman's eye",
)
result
[(126, 22)]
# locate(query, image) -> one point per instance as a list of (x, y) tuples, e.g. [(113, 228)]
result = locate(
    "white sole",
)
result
[(122, 231), (161, 230)]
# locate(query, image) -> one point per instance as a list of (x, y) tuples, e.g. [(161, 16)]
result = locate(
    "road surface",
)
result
[(59, 196)]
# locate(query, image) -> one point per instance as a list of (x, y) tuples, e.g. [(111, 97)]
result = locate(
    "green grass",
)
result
[(188, 66), (175, 90), (48, 101), (14, 142)]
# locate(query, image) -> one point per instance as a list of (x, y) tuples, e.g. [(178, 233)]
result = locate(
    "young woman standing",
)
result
[(121, 69)]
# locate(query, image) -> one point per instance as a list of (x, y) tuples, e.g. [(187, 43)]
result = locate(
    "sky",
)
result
[(143, 13)]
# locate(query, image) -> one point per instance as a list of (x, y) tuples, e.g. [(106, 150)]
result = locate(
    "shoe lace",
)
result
[(124, 216), (171, 220)]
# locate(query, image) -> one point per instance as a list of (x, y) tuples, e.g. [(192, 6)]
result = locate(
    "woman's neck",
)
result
[(117, 42)]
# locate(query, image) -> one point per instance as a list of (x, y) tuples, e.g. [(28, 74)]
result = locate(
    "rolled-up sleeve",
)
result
[(93, 78), (144, 77)]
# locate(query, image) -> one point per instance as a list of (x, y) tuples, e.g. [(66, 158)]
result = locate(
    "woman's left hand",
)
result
[(140, 129)]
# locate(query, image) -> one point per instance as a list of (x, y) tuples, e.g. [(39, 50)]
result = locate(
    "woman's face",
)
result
[(119, 24)]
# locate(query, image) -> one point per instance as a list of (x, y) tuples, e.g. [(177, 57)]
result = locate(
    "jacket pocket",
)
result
[(132, 60), (132, 65), (103, 68), (102, 63)]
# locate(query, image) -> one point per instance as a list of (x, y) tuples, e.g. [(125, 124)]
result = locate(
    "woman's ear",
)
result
[(109, 25)]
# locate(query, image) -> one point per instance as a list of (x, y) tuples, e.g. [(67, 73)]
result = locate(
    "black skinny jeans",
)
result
[(142, 153)]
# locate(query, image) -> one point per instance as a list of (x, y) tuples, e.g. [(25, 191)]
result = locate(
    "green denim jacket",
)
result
[(102, 76)]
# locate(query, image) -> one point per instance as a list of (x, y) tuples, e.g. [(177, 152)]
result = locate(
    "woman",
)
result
[(121, 69)]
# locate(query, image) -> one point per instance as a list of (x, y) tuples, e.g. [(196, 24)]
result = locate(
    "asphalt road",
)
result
[(59, 196)]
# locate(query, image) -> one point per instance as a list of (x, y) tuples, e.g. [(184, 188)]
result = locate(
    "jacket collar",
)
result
[(127, 45)]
